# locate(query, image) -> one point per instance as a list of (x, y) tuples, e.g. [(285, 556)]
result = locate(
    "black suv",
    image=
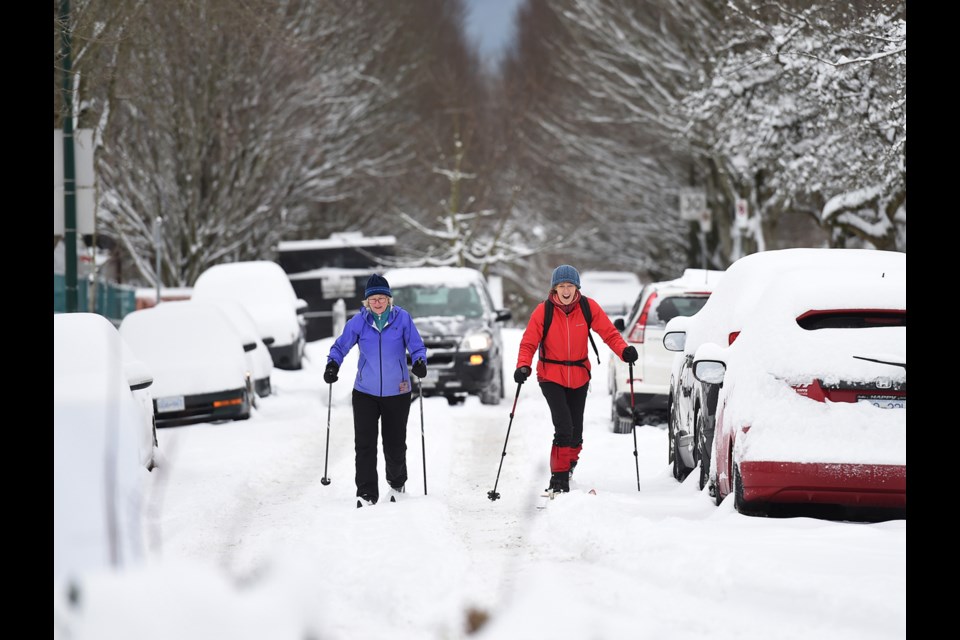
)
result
[(455, 315)]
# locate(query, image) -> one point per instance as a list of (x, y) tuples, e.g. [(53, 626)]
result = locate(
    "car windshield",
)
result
[(673, 306), (438, 300)]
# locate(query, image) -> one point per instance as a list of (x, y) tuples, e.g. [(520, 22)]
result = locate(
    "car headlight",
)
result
[(479, 341)]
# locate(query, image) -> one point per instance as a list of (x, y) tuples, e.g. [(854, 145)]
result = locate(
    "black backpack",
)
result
[(548, 319)]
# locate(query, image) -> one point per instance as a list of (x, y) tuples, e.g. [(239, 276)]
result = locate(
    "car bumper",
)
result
[(208, 407), (642, 402), (458, 376), (287, 356), (852, 485)]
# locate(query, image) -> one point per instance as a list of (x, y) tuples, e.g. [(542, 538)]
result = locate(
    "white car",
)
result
[(614, 291), (199, 370), (733, 302), (103, 445), (657, 303), (265, 290), (812, 405)]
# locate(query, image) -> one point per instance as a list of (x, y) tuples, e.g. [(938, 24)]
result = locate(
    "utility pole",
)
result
[(69, 172)]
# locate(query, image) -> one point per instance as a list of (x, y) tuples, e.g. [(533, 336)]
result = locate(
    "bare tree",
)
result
[(234, 121)]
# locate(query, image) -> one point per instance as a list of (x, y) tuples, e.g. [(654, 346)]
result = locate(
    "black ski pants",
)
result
[(566, 408), (368, 412)]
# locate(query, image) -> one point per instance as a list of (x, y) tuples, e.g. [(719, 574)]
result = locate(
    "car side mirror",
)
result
[(268, 340), (619, 324), (675, 340), (503, 315), (709, 371)]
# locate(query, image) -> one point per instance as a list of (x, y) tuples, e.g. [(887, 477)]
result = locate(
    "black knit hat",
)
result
[(377, 284)]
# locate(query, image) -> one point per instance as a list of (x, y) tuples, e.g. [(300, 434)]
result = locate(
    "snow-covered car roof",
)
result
[(735, 297), (263, 288), (774, 339), (254, 280)]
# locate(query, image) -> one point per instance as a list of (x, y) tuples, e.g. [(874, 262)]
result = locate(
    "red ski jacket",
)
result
[(567, 340)]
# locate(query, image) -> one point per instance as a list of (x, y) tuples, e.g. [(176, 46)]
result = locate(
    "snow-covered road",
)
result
[(661, 561)]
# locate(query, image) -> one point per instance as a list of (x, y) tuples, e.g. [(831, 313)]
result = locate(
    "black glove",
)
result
[(630, 354), (330, 373), (520, 375), (419, 368)]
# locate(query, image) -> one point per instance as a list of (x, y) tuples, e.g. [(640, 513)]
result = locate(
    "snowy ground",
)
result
[(247, 543)]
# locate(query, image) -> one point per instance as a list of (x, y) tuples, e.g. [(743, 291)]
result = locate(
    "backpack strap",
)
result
[(585, 308)]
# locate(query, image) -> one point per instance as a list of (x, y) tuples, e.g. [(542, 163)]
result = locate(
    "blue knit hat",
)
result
[(377, 284), (565, 273)]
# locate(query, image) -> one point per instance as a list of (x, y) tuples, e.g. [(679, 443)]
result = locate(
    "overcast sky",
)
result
[(490, 25)]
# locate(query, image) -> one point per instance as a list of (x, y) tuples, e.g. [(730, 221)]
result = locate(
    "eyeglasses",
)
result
[(377, 299)]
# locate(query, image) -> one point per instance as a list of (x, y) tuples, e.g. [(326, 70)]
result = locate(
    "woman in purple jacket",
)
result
[(381, 391)]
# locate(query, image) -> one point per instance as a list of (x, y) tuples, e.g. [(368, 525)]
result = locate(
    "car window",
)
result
[(665, 309), (439, 300)]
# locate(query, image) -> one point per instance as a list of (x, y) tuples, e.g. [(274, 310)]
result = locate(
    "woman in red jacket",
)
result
[(563, 368)]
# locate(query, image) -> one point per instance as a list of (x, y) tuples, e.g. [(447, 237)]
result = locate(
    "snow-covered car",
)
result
[(101, 433), (258, 357), (812, 406), (197, 359), (455, 315), (655, 305), (614, 291), (89, 344), (734, 300), (265, 290)]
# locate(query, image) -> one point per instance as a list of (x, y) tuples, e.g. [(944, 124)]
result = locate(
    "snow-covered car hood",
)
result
[(456, 326)]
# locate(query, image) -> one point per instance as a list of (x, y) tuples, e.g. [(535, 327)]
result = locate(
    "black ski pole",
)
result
[(423, 440), (325, 480), (492, 494), (633, 427)]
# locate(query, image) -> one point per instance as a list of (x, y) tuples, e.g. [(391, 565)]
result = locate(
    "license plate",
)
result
[(885, 402), (170, 403)]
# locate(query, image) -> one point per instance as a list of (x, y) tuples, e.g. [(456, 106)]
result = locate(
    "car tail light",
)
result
[(636, 333), (878, 392), (733, 336), (813, 391)]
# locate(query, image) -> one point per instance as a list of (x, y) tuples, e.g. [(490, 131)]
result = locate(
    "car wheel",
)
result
[(671, 430), (454, 400), (680, 470), (741, 505), (493, 392), (703, 452), (715, 490)]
